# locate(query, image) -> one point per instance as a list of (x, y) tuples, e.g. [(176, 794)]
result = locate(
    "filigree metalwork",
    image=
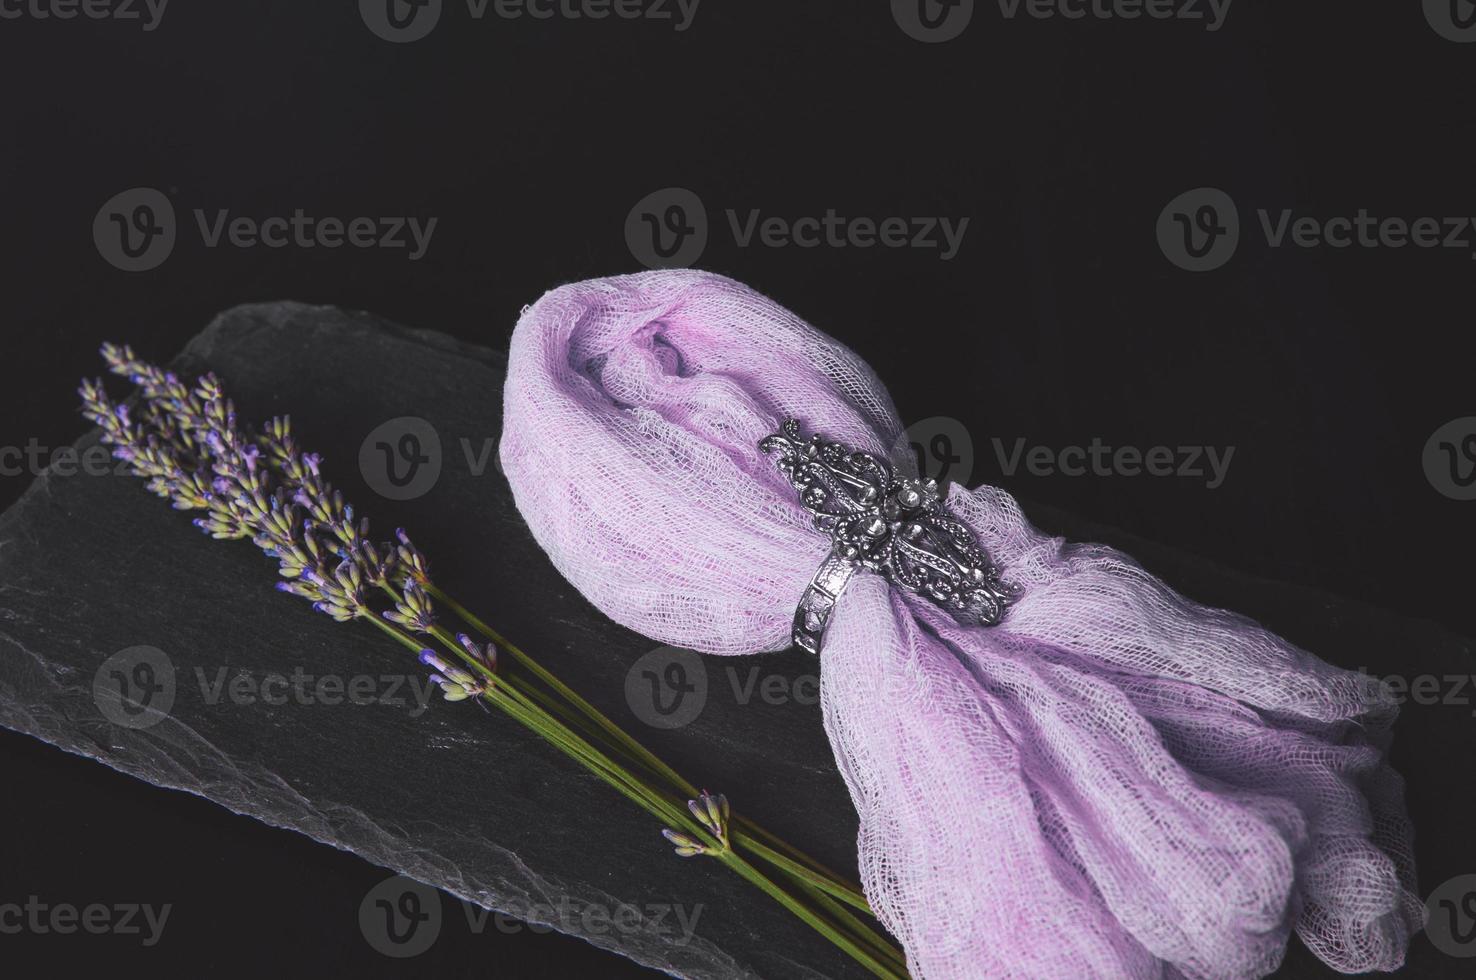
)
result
[(898, 527)]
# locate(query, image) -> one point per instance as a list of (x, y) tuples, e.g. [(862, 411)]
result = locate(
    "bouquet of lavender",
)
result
[(261, 486)]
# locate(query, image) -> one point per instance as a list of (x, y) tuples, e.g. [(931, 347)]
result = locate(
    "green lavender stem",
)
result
[(809, 881), (756, 837), (748, 871), (880, 960)]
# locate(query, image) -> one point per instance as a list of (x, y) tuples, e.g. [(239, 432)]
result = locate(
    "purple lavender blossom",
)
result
[(455, 683), (413, 610), (193, 450)]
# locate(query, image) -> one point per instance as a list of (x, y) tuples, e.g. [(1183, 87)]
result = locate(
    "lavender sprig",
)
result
[(259, 486), (195, 452)]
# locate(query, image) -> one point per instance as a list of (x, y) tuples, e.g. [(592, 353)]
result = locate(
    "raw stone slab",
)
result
[(91, 565)]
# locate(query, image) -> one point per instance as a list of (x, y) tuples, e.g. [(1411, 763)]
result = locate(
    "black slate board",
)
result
[(92, 565)]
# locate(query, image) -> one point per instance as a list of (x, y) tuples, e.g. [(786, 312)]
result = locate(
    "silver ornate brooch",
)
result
[(895, 526)]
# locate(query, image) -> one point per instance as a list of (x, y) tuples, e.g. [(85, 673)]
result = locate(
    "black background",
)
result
[(530, 141)]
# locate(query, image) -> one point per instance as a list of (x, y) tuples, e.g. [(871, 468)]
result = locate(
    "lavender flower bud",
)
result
[(413, 610), (711, 810), (413, 564), (485, 655), (455, 683), (685, 846)]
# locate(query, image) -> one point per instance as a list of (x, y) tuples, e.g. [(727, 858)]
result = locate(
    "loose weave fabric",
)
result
[(1113, 782)]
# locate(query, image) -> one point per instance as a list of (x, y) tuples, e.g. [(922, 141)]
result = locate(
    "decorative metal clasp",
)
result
[(897, 527)]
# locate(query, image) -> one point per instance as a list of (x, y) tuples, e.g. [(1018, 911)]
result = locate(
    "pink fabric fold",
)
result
[(1114, 782)]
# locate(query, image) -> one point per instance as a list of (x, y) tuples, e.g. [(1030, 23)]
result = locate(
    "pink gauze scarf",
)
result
[(1113, 782)]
